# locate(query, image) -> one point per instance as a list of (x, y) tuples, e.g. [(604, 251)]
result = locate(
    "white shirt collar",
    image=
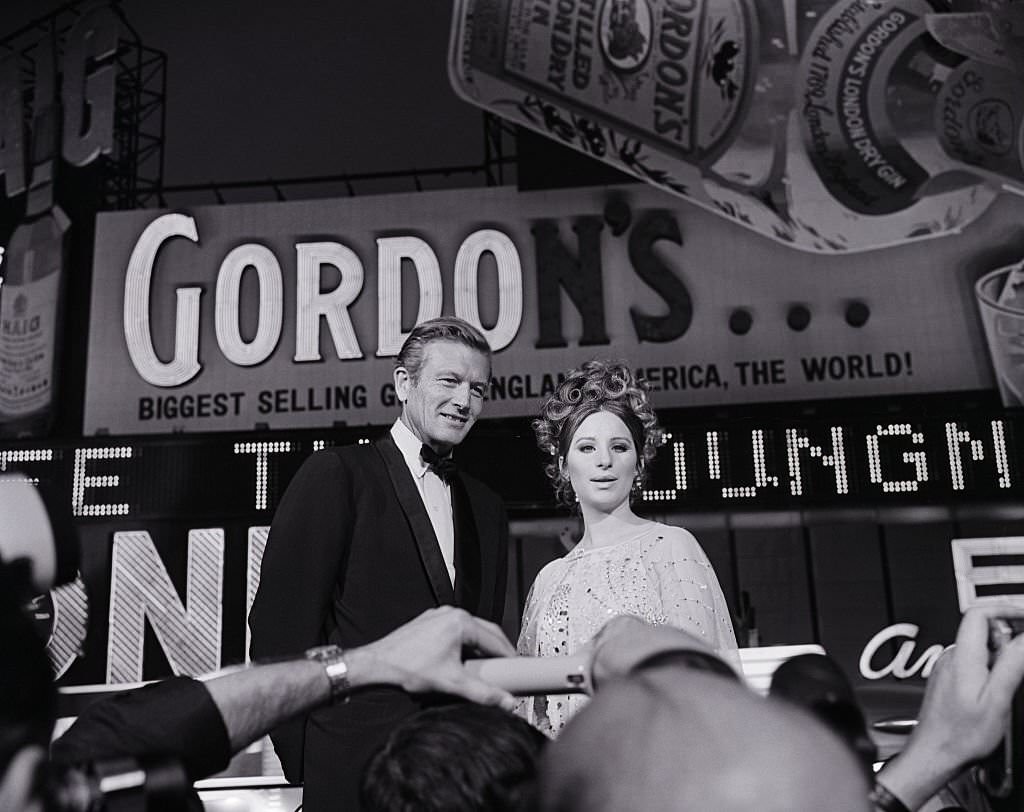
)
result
[(410, 446)]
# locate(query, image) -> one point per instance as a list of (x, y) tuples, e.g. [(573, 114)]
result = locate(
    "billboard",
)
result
[(288, 315), (829, 125)]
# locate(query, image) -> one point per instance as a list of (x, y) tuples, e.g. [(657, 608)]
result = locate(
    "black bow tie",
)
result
[(444, 467)]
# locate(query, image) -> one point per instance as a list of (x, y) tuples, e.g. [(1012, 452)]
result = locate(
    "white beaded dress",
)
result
[(659, 574)]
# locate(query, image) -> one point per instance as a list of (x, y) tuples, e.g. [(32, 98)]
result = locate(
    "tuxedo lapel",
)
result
[(467, 549), (476, 594), (419, 521)]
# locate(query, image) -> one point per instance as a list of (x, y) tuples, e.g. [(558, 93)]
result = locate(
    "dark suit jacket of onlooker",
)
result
[(351, 556)]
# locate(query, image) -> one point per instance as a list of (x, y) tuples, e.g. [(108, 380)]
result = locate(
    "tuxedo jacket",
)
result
[(351, 556)]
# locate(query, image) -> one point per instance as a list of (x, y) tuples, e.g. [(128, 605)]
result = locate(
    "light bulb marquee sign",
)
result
[(173, 529), (735, 465)]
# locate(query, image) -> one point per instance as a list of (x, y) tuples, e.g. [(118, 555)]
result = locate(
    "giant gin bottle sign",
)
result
[(29, 322), (832, 125)]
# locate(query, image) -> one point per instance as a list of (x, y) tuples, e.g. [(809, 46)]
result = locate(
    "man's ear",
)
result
[(403, 382)]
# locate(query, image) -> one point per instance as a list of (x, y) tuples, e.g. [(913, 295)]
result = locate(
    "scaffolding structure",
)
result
[(497, 168), (131, 174)]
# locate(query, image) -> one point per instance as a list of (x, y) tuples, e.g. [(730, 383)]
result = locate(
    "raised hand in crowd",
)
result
[(626, 642), (424, 655), (965, 711)]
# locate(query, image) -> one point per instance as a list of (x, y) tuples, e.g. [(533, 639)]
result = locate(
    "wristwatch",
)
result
[(332, 658)]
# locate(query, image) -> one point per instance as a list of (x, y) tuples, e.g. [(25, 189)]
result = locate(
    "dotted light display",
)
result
[(917, 458), (25, 455), (1002, 463), (678, 474), (263, 452), (714, 464), (82, 482), (762, 479), (954, 439), (785, 463), (797, 442)]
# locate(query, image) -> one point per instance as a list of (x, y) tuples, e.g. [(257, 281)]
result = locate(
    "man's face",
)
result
[(444, 401)]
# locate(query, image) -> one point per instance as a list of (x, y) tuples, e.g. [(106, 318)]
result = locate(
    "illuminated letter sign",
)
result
[(900, 666), (270, 309), (141, 589), (137, 282), (70, 625), (390, 253), (312, 304), (510, 284), (89, 97)]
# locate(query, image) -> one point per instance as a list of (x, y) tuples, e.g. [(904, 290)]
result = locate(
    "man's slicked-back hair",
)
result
[(445, 328)]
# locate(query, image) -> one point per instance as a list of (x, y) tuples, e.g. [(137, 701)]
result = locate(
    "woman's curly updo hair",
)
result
[(596, 386)]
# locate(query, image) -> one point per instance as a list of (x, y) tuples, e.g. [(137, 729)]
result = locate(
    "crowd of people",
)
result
[(386, 565)]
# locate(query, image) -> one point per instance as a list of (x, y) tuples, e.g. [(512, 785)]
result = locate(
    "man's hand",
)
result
[(965, 710), (966, 706), (425, 654), (625, 641)]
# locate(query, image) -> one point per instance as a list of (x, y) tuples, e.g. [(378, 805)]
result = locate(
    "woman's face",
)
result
[(601, 461)]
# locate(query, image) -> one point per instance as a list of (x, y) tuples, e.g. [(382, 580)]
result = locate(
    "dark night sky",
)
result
[(304, 88)]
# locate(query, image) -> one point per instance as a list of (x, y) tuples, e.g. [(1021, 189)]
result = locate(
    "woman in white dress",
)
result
[(601, 433)]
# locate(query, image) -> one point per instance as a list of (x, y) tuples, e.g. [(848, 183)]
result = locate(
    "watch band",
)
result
[(332, 658)]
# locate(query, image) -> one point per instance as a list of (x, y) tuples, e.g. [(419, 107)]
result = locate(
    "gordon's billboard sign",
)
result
[(277, 315)]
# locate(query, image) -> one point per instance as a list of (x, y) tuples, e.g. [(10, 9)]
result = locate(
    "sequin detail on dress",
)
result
[(660, 574)]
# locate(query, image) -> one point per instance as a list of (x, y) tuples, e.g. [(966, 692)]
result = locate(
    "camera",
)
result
[(121, 785), (1001, 775)]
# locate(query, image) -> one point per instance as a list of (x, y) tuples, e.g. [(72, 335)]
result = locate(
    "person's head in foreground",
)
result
[(28, 703), (455, 758), (674, 738)]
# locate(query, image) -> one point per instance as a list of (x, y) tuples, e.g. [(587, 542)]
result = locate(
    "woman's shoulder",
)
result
[(551, 571), (671, 540)]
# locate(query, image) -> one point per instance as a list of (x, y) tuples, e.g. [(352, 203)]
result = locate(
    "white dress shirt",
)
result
[(434, 491)]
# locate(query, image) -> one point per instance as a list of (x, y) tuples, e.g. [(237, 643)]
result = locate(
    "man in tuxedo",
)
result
[(368, 536)]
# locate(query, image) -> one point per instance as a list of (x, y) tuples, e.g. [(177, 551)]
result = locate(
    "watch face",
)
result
[(323, 653), (332, 658)]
